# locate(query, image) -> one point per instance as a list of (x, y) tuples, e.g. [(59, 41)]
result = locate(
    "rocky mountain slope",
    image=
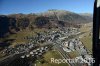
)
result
[(50, 19)]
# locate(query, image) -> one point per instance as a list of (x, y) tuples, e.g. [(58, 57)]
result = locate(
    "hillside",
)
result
[(13, 23), (87, 16), (68, 16)]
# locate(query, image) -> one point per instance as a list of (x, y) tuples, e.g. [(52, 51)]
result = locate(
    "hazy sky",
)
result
[(36, 6)]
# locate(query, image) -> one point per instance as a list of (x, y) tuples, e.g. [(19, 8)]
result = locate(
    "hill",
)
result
[(68, 16), (13, 23)]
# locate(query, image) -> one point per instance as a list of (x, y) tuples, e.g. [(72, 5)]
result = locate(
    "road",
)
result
[(12, 57), (65, 54)]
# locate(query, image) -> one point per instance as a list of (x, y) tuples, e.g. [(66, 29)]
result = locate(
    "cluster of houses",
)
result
[(32, 48), (52, 35), (19, 48), (36, 52), (77, 45), (74, 44), (26, 50), (85, 59)]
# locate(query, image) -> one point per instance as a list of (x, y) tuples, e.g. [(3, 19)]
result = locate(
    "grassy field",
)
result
[(87, 41), (73, 54), (87, 37), (19, 36), (86, 27), (47, 59)]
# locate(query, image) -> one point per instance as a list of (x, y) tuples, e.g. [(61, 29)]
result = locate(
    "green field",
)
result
[(87, 41), (47, 59), (87, 37), (73, 54)]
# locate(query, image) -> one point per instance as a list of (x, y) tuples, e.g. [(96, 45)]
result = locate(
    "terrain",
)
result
[(10, 24), (37, 37)]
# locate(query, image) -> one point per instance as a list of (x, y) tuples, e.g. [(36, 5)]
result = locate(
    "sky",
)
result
[(37, 6)]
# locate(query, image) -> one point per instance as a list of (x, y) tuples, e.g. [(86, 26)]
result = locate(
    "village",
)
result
[(62, 40)]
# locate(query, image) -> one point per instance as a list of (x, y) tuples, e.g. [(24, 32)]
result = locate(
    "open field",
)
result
[(19, 36), (87, 37), (87, 41), (86, 27), (73, 54), (47, 59)]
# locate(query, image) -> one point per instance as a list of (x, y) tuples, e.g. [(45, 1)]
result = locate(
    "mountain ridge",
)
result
[(49, 19)]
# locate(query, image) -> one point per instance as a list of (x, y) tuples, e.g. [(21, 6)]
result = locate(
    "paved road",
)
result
[(12, 57), (63, 53)]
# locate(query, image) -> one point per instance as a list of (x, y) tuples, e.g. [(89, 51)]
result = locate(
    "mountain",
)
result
[(87, 16), (50, 19), (68, 16)]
